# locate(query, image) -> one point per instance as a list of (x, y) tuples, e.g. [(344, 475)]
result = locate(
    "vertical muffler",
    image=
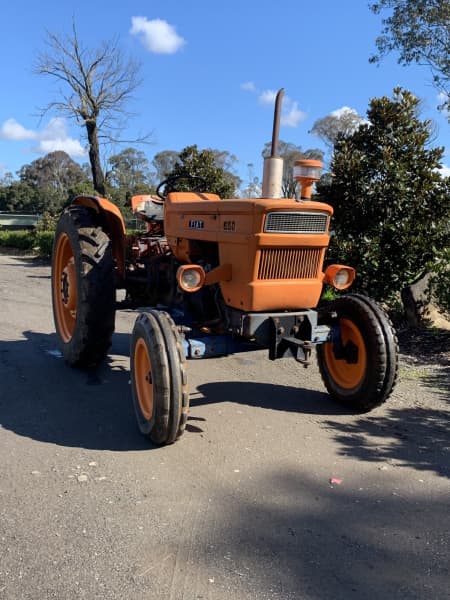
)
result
[(273, 164)]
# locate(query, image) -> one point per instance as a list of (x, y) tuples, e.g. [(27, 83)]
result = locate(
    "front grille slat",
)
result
[(296, 222), (289, 263)]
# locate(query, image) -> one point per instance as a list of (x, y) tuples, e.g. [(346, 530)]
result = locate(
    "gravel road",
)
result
[(241, 507)]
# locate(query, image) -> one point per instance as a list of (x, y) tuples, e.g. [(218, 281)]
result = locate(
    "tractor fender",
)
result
[(113, 223)]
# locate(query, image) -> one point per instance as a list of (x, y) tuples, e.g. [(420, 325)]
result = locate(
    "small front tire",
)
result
[(359, 366), (158, 377)]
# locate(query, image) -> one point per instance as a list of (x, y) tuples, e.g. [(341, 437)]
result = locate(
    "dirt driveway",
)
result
[(241, 507)]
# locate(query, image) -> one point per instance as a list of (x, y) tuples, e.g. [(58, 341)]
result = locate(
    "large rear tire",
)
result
[(158, 377), (83, 288), (359, 365)]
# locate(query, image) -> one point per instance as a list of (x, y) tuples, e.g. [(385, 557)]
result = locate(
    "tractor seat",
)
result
[(148, 208)]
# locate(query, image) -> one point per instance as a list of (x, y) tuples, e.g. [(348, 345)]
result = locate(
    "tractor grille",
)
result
[(289, 263), (296, 222)]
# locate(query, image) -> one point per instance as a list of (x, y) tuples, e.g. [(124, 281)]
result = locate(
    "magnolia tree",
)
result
[(391, 203)]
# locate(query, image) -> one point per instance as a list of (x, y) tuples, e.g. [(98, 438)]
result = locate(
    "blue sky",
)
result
[(209, 72)]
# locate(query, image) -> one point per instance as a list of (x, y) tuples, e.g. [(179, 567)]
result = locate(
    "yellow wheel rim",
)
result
[(143, 379), (65, 294), (345, 374)]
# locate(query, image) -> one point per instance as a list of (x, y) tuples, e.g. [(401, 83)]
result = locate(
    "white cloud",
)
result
[(339, 112), (444, 171), (267, 96), (292, 115), (53, 137), (12, 130), (157, 35), (72, 147), (248, 86)]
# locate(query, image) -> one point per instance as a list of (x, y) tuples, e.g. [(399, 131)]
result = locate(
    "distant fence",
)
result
[(18, 221)]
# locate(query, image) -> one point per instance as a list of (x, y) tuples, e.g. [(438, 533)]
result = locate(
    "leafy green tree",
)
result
[(55, 171), (130, 169), (290, 153), (201, 164), (164, 163), (391, 204), (129, 175), (419, 30), (19, 196), (54, 178)]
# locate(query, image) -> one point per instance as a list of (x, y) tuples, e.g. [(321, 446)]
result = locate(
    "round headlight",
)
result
[(339, 276), (190, 277)]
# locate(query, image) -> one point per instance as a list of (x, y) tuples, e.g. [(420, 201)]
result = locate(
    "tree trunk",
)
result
[(420, 309), (94, 158)]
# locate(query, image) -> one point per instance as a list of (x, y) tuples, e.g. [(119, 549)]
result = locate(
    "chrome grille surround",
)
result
[(290, 263), (296, 222)]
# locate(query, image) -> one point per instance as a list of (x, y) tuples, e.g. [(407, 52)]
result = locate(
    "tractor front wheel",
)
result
[(83, 288), (359, 364), (158, 377)]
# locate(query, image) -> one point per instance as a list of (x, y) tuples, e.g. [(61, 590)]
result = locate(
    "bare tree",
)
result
[(96, 84)]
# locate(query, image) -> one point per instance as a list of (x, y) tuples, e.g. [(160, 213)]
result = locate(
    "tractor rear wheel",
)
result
[(158, 377), (83, 288), (359, 365)]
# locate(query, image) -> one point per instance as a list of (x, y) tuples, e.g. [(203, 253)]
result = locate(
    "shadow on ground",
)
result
[(415, 437), (45, 399), (289, 536), (270, 396)]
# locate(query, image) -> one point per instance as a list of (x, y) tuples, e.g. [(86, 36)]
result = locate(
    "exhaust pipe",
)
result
[(273, 164)]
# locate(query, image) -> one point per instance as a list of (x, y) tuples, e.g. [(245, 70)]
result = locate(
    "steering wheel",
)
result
[(172, 178)]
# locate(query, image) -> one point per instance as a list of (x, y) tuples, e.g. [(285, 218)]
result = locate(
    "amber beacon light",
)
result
[(307, 172)]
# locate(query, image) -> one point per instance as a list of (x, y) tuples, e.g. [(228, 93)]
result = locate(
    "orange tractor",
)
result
[(212, 276)]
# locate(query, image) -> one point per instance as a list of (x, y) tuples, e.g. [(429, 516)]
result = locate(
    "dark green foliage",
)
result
[(391, 204), (43, 243), (19, 196), (45, 185), (201, 164), (21, 240), (36, 242)]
